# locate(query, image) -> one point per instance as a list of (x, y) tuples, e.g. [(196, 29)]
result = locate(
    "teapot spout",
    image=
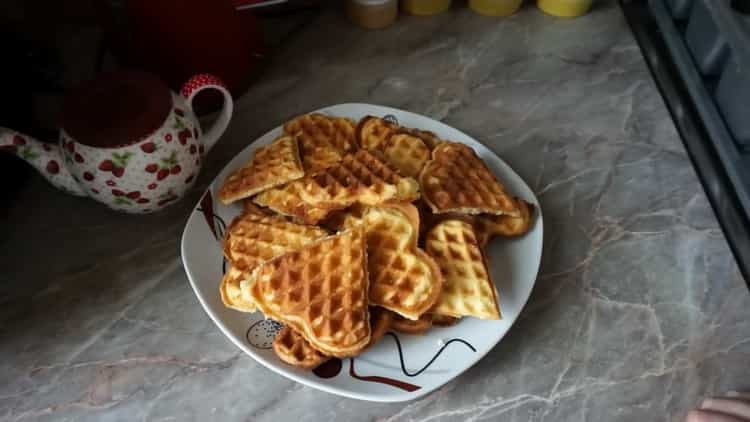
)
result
[(46, 158)]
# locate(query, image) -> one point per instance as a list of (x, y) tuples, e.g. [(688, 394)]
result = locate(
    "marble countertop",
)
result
[(639, 309)]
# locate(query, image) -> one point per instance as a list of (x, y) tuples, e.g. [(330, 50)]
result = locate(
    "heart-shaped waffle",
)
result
[(407, 153), (324, 140), (403, 278), (286, 200), (320, 291), (272, 165), (291, 347), (468, 289), (252, 239), (457, 180), (359, 177), (372, 132)]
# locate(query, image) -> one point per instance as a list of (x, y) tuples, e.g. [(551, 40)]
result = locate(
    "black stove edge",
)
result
[(720, 193)]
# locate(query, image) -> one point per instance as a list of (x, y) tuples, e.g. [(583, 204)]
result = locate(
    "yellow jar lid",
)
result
[(565, 8)]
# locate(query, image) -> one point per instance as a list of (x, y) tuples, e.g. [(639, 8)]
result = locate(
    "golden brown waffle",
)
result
[(346, 218), (286, 200), (408, 326), (403, 278), (272, 165), (252, 239), (323, 140), (488, 226), (231, 293), (338, 295), (359, 177), (428, 219), (407, 153), (373, 131), (249, 206), (468, 289), (443, 321), (429, 138), (380, 323), (320, 291), (293, 349), (457, 180)]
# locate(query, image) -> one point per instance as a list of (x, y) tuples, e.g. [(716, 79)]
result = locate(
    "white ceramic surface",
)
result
[(513, 263)]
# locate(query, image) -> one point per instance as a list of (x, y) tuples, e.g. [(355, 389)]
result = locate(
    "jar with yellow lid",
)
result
[(495, 7), (372, 14), (565, 8), (425, 7)]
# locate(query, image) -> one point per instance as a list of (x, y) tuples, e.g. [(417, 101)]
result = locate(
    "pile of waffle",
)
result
[(350, 229)]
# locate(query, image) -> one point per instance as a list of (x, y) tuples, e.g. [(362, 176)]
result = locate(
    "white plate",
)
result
[(400, 367)]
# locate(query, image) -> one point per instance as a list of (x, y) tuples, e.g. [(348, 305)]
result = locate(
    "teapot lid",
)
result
[(116, 108)]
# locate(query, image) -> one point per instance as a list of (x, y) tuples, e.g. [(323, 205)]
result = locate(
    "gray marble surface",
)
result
[(639, 310)]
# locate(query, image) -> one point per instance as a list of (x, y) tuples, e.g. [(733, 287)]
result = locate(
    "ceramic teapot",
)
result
[(126, 140)]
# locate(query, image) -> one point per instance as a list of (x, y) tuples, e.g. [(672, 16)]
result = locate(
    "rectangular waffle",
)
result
[(403, 278), (457, 180), (324, 140), (468, 289), (271, 165), (320, 291)]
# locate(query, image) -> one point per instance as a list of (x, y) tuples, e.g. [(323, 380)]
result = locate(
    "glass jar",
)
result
[(372, 14)]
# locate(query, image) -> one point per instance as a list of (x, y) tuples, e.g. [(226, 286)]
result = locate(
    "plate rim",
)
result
[(321, 385)]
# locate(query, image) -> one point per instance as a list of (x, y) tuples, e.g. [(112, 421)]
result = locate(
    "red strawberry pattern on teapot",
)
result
[(137, 175)]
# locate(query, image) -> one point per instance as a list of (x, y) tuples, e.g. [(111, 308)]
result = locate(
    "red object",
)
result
[(53, 167), (95, 111), (180, 38), (199, 81)]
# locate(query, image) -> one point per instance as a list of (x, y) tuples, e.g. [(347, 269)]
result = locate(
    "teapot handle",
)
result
[(198, 83)]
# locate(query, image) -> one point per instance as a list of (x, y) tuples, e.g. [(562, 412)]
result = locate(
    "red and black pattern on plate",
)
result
[(382, 380), (216, 224), (332, 367), (434, 357)]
